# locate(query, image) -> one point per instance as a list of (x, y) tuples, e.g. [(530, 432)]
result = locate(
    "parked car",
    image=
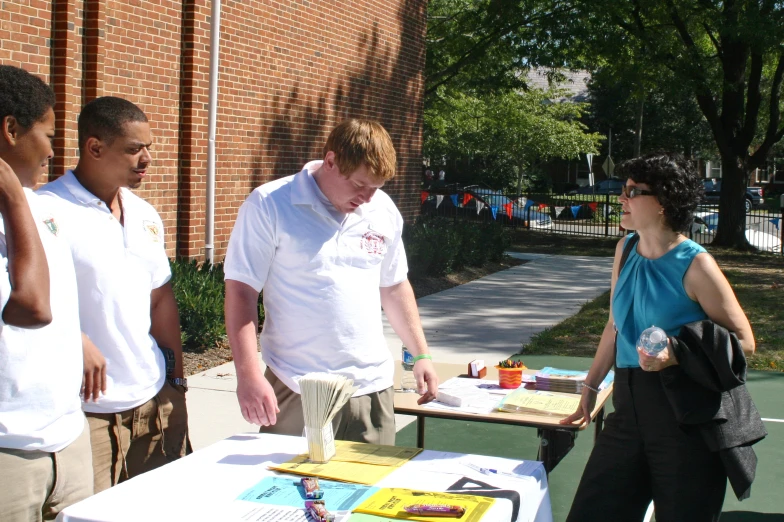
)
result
[(706, 222), (611, 186), (532, 217), (713, 189)]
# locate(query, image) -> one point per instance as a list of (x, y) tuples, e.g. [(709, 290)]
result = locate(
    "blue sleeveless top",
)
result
[(650, 292)]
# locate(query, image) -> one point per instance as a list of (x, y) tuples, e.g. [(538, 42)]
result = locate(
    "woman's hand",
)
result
[(658, 362), (584, 409)]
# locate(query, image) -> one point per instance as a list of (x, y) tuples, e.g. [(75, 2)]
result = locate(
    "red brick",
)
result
[(287, 77)]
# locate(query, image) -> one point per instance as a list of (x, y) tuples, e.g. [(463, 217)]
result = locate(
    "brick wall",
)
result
[(290, 71)]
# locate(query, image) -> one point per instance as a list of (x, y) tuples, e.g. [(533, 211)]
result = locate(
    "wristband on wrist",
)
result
[(423, 356), (585, 384)]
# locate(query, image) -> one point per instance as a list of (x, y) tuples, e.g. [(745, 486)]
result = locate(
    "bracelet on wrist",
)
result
[(423, 356), (586, 385)]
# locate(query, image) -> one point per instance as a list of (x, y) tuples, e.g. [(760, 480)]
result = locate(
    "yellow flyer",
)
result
[(353, 462), (390, 502), (539, 402)]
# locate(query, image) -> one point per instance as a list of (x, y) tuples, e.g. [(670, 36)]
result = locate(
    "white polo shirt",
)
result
[(320, 278), (116, 269), (41, 369)]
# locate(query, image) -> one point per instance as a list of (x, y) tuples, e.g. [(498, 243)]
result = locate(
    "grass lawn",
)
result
[(757, 278)]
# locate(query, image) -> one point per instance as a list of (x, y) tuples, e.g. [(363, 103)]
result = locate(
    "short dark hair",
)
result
[(24, 96), (673, 180), (104, 118)]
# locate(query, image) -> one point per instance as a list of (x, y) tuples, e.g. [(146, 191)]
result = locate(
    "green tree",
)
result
[(505, 135), (729, 54), (482, 45), (670, 118)]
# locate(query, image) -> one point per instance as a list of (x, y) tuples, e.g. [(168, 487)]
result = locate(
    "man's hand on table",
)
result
[(426, 379), (257, 400)]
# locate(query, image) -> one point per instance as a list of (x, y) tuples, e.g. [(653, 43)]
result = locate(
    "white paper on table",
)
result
[(487, 385), (488, 405), (241, 510), (527, 469)]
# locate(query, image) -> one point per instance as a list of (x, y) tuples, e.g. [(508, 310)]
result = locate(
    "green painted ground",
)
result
[(765, 505)]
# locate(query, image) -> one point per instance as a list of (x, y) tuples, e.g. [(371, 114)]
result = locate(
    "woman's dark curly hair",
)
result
[(23, 96), (673, 180)]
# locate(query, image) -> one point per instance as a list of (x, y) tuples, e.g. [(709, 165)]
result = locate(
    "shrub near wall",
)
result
[(200, 292), (436, 246)]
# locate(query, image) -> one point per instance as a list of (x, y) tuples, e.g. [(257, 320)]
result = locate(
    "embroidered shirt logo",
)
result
[(51, 225), (152, 228), (373, 243)]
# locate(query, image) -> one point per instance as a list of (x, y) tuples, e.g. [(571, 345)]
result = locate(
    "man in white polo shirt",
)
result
[(45, 462), (126, 302), (325, 245)]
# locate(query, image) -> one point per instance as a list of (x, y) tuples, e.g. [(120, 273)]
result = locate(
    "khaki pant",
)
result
[(36, 485), (368, 418), (131, 442)]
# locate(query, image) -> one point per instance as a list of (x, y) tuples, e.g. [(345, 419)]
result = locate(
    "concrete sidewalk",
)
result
[(487, 319)]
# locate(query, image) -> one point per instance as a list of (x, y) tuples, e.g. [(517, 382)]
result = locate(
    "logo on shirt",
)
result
[(51, 225), (152, 228), (373, 243)]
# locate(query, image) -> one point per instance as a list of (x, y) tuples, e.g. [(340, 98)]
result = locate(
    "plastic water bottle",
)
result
[(407, 379), (653, 340)]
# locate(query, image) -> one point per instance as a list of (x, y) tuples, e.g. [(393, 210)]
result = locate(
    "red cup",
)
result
[(510, 378)]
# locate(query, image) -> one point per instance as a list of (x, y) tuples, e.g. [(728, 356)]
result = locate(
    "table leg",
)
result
[(544, 449), (554, 446), (599, 420), (420, 431)]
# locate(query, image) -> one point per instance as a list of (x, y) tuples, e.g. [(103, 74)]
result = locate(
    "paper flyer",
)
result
[(390, 502), (286, 491), (539, 402), (354, 462)]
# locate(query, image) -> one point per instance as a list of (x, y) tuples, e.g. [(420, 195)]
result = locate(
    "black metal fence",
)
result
[(585, 214)]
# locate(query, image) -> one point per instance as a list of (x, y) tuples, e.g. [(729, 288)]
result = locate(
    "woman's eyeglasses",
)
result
[(633, 192)]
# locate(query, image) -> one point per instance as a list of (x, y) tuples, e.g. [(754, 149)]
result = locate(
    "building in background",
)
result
[(290, 71)]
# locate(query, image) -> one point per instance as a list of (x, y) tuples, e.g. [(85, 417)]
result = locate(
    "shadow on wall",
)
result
[(387, 87)]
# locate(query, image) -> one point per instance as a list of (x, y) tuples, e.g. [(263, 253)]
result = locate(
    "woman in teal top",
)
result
[(660, 300), (667, 280)]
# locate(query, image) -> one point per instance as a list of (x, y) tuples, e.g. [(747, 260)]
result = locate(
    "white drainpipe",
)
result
[(209, 239)]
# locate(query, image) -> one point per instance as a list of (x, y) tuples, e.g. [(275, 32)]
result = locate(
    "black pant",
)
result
[(643, 455)]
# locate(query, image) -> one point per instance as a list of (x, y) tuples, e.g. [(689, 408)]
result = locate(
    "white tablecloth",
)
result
[(205, 485)]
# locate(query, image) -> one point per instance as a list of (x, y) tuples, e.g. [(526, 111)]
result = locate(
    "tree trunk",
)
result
[(731, 230), (638, 124)]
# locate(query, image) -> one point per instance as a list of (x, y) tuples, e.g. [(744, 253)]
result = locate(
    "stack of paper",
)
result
[(464, 396), (566, 381), (539, 403), (323, 394)]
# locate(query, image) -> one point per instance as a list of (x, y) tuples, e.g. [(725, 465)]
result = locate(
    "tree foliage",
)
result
[(727, 54), (483, 45), (730, 56), (505, 135), (671, 118)]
